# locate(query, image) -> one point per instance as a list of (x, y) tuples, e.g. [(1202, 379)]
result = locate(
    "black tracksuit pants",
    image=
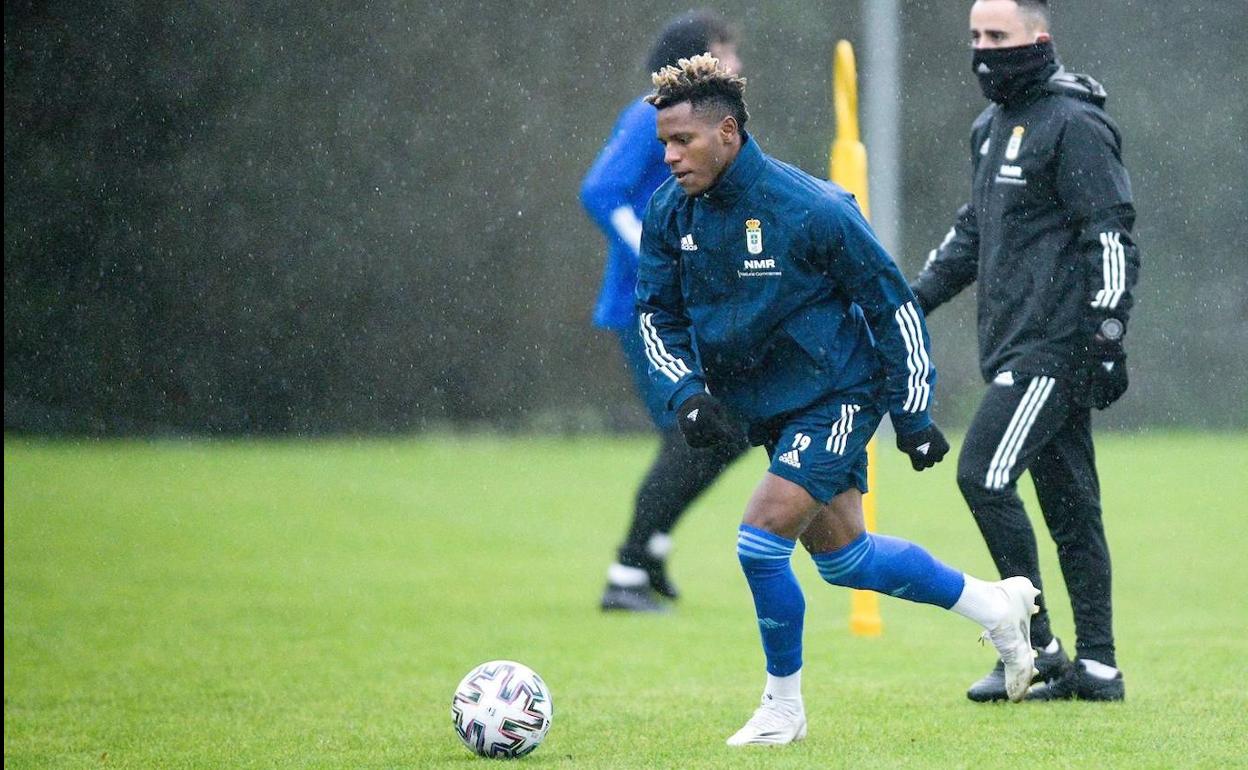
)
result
[(677, 477), (1034, 424)]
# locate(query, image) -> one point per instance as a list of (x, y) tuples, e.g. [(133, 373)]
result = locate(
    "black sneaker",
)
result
[(1051, 665), (1077, 684), (656, 570), (631, 599)]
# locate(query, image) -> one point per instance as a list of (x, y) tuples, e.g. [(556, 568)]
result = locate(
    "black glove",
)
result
[(1107, 364), (926, 447), (705, 422)]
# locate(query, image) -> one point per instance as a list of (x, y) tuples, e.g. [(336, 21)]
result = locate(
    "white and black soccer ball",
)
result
[(502, 709)]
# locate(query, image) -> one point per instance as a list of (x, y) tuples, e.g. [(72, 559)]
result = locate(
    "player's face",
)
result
[(697, 149), (727, 55), (1001, 24)]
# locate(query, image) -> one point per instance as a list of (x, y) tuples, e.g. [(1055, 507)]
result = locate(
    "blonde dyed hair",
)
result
[(700, 81)]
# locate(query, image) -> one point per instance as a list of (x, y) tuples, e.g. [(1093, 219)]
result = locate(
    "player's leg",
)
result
[(676, 477), (827, 453), (816, 457), (774, 518), (847, 555), (1069, 493), (827, 462), (1015, 420), (813, 491)]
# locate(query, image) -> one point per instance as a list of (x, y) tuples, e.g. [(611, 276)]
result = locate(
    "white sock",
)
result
[(1052, 646), (1098, 669), (982, 602), (659, 545), (786, 689), (626, 577)]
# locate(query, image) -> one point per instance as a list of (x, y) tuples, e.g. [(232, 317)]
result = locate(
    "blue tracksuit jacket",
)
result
[(771, 291), (625, 174)]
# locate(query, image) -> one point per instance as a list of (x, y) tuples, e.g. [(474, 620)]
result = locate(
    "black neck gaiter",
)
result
[(1004, 73)]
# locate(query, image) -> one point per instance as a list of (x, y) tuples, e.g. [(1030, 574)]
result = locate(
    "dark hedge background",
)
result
[(312, 218)]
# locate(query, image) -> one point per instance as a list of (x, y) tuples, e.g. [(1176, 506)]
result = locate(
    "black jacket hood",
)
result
[(1078, 86)]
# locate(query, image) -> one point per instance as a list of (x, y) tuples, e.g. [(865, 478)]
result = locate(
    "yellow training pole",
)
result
[(847, 166)]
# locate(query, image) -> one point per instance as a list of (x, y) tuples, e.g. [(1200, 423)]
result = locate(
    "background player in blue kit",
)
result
[(767, 303), (615, 192)]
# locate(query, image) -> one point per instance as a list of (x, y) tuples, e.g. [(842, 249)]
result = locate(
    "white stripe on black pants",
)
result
[(1034, 425)]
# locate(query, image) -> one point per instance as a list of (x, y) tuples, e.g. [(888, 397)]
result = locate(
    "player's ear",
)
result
[(1043, 37), (728, 129)]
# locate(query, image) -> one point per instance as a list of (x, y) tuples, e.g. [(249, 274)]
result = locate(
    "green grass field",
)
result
[(313, 604)]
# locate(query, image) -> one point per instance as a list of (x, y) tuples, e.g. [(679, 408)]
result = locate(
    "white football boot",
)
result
[(1012, 636), (774, 723)]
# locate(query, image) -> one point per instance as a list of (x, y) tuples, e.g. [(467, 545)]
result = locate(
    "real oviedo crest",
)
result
[(1016, 143), (754, 236)]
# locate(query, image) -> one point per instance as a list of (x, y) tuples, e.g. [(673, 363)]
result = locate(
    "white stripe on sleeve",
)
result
[(673, 368), (918, 388), (935, 253), (1113, 271), (1120, 270)]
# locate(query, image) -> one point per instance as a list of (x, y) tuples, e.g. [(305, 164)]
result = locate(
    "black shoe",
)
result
[(631, 599), (656, 570), (1051, 665), (1077, 684)]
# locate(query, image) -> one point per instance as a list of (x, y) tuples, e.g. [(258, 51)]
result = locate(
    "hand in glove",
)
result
[(926, 447), (1107, 364), (705, 422)]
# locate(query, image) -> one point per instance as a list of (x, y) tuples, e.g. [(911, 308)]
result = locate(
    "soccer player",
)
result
[(767, 303), (1047, 234), (615, 191)]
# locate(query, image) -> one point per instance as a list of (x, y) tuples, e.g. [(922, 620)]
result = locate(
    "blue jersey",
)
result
[(771, 291), (615, 191)]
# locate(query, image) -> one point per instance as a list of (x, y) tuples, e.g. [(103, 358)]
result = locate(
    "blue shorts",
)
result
[(824, 448), (651, 394)]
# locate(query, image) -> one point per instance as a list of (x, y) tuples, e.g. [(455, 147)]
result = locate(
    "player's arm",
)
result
[(612, 180), (951, 266), (1095, 191), (954, 264), (871, 279), (662, 321)]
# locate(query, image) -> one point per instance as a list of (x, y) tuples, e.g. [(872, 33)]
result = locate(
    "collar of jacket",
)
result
[(738, 177), (1031, 90)]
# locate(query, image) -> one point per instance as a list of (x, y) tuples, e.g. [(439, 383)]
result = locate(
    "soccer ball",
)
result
[(501, 709)]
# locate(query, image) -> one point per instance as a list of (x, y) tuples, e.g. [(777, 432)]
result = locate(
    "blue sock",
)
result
[(891, 566), (778, 600)]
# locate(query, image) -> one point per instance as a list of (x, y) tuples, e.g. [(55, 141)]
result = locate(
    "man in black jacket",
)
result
[(1047, 235)]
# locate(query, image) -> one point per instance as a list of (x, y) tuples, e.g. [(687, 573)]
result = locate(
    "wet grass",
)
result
[(312, 604)]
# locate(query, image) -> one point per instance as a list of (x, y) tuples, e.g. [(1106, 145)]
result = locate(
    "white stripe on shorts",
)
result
[(841, 429)]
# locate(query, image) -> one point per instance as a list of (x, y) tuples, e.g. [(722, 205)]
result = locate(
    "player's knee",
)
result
[(745, 558), (751, 562), (973, 481), (761, 551), (847, 566)]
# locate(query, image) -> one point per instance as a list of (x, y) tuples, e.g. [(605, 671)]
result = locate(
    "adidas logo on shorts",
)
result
[(791, 458)]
